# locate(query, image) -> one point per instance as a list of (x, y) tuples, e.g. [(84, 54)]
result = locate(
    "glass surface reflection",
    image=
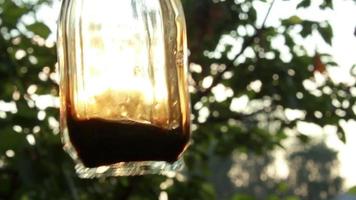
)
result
[(124, 100)]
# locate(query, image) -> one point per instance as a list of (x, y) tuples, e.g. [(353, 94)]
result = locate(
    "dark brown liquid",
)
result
[(99, 142)]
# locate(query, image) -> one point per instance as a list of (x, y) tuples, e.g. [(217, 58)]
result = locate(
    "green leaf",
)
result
[(273, 197), (308, 27), (327, 4), (12, 13), (341, 134), (25, 197), (352, 191), (303, 138), (11, 140), (326, 33), (282, 187), (242, 197), (292, 198), (293, 20), (332, 64), (208, 189), (25, 116), (40, 29), (304, 4), (353, 70)]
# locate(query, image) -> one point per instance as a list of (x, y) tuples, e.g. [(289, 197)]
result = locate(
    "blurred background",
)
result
[(273, 105)]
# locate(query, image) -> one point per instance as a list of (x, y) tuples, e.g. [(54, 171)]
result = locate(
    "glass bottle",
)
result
[(123, 86)]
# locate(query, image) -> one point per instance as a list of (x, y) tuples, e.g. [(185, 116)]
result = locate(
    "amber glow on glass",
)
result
[(123, 61)]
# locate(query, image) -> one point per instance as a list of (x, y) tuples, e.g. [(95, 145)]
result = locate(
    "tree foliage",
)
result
[(233, 59)]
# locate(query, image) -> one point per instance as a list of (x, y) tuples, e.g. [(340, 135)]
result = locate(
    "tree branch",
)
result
[(248, 42), (268, 12)]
